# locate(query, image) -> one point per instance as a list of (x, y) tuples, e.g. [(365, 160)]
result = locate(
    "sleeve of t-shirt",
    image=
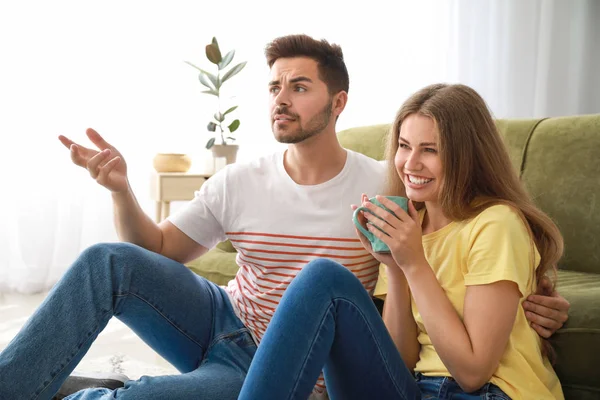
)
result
[(202, 218), (500, 248)]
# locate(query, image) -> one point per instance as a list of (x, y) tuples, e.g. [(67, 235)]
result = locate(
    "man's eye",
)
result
[(300, 89), (273, 89)]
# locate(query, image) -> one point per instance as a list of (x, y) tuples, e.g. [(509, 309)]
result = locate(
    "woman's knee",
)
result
[(327, 273)]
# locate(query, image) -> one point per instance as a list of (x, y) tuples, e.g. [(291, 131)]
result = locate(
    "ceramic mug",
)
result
[(377, 245)]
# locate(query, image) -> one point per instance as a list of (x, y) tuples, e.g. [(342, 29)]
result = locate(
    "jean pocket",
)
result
[(495, 393)]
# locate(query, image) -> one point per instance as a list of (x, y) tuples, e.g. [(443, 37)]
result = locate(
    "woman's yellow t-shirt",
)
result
[(493, 246)]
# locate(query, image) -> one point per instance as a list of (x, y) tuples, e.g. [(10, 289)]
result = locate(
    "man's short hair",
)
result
[(329, 58)]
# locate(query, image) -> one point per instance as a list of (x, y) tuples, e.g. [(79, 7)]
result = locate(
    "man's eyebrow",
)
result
[(301, 79), (420, 144), (294, 80)]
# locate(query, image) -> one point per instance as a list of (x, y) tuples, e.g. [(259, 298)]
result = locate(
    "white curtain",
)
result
[(118, 66), (536, 58)]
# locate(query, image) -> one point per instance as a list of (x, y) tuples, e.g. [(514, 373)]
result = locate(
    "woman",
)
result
[(470, 248)]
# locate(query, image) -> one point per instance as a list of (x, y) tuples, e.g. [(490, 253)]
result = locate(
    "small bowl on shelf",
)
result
[(172, 162)]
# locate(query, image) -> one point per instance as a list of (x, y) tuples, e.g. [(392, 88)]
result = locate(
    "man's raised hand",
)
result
[(106, 166)]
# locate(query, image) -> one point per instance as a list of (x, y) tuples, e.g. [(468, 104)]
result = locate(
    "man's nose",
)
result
[(282, 98)]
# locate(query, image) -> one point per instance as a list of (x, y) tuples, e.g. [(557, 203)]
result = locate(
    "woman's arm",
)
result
[(398, 317), (470, 348), (397, 312)]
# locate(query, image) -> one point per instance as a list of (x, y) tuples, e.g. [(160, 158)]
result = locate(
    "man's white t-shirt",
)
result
[(277, 226)]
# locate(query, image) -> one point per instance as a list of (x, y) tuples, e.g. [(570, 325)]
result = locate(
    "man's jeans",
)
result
[(185, 318)]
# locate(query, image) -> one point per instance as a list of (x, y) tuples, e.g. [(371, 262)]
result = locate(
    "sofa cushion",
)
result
[(217, 266), (226, 246), (368, 140), (562, 172), (577, 344), (516, 134)]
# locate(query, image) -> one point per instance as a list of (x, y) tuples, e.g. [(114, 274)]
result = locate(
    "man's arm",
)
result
[(109, 169), (135, 226)]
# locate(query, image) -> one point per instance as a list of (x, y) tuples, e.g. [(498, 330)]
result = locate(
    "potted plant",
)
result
[(222, 130)]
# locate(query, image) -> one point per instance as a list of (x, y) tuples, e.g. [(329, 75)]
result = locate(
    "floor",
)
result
[(117, 348)]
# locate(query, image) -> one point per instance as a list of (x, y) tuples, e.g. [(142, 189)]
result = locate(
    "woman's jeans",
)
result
[(185, 318), (327, 321)]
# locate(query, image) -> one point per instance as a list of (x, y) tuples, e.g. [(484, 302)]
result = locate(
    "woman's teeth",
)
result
[(418, 181)]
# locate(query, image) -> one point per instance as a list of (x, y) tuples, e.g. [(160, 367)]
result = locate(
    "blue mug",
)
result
[(376, 244)]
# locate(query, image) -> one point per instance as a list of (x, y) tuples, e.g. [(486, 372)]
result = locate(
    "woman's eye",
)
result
[(430, 150), (403, 146)]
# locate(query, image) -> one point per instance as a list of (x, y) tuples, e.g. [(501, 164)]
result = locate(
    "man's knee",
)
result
[(103, 256)]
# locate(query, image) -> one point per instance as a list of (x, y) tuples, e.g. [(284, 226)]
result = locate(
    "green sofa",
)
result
[(559, 161)]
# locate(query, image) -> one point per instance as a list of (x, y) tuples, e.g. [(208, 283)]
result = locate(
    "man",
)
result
[(279, 211)]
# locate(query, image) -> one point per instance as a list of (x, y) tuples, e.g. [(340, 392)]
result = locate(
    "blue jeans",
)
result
[(327, 321), (185, 318), (436, 387)]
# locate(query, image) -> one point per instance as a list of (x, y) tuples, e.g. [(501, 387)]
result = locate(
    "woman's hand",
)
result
[(401, 232), (384, 258)]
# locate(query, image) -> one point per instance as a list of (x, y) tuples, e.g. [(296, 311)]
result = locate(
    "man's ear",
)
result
[(339, 103)]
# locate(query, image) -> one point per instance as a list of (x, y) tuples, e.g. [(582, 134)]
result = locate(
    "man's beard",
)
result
[(313, 127)]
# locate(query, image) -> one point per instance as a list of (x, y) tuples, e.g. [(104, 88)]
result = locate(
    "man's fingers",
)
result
[(65, 141), (98, 140), (97, 161), (548, 312), (543, 332), (555, 301), (76, 156), (547, 323), (104, 170)]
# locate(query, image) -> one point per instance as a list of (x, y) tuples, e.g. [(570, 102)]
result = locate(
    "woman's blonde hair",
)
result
[(477, 169)]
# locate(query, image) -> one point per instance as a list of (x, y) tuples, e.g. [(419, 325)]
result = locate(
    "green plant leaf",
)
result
[(230, 110), (234, 125), (206, 81), (226, 60), (213, 54), (211, 126), (213, 92), (215, 81), (210, 143), (219, 117), (198, 68), (233, 71)]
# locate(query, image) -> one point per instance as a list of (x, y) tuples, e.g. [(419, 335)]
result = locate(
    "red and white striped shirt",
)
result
[(278, 226)]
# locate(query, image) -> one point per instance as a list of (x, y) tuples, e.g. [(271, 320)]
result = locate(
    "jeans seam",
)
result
[(161, 314), (379, 350), (304, 362), (295, 387), (226, 336), (79, 346)]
